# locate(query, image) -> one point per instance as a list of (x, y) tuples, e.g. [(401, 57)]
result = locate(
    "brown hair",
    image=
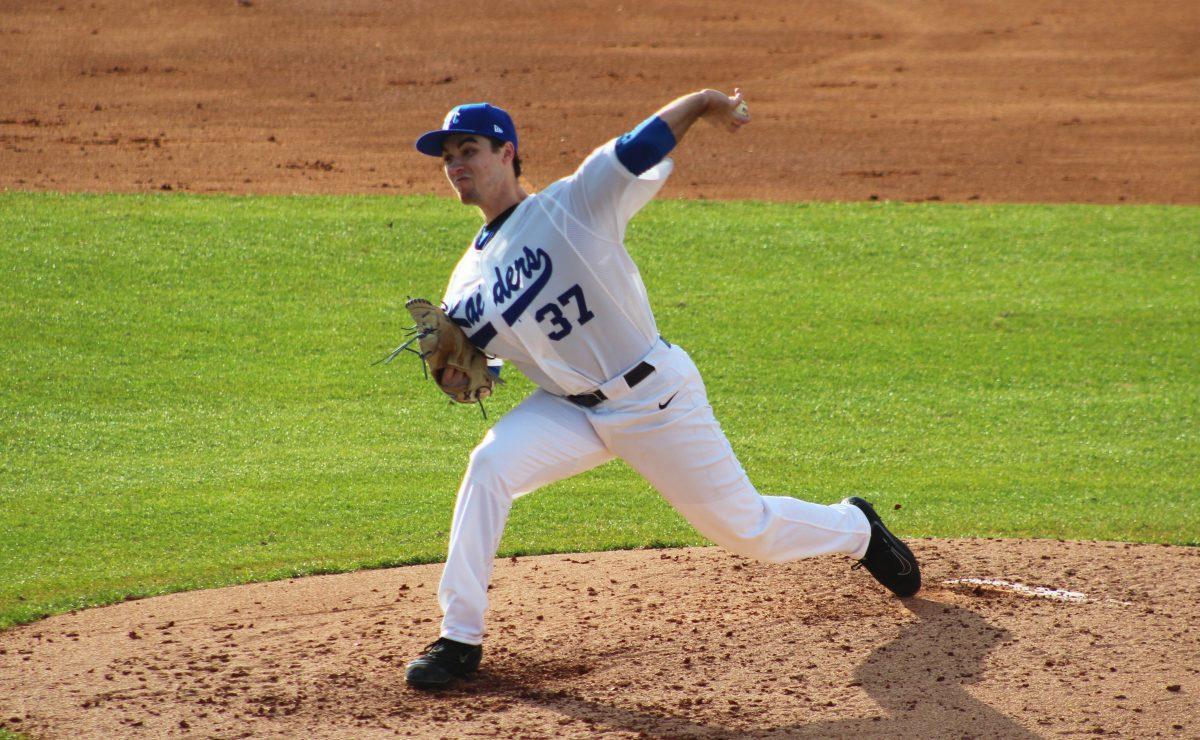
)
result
[(496, 144)]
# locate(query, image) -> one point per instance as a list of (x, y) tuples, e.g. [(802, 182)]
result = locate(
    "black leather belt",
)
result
[(632, 378)]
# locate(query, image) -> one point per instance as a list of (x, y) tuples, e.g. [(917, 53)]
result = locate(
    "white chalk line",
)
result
[(1032, 592)]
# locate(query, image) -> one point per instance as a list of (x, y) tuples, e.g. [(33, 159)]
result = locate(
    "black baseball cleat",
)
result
[(887, 558), (442, 663)]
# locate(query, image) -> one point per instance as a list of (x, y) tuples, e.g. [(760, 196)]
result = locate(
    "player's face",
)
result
[(475, 171)]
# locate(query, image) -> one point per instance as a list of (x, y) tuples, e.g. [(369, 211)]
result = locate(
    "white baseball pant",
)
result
[(680, 450)]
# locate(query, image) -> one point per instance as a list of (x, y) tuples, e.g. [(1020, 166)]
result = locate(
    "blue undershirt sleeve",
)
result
[(646, 145)]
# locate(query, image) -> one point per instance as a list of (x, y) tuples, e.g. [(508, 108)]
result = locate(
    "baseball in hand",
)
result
[(741, 109)]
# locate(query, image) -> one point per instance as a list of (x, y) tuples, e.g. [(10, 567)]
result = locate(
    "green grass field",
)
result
[(188, 398)]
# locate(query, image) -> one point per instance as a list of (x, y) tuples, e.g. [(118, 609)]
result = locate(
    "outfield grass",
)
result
[(189, 400)]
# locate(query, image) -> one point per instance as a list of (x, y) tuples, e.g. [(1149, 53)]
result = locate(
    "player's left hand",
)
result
[(456, 365), (453, 380)]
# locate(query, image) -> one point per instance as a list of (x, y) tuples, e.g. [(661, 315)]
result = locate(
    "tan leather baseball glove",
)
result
[(444, 345)]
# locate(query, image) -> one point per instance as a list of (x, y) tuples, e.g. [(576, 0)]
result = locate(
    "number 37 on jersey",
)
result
[(561, 316)]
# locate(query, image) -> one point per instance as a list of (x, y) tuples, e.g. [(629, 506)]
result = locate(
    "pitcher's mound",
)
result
[(1008, 638)]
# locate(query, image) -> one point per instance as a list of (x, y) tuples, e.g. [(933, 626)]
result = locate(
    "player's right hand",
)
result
[(729, 111)]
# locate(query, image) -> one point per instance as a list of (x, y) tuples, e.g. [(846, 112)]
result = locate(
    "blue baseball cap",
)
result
[(483, 119)]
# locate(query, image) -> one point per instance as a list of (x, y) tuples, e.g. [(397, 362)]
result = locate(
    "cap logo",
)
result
[(497, 129)]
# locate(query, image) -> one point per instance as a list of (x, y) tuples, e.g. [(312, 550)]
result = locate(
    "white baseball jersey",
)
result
[(554, 291)]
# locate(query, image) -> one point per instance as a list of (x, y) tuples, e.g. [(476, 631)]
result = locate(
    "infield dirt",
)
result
[(1020, 101), (1027, 100), (681, 643)]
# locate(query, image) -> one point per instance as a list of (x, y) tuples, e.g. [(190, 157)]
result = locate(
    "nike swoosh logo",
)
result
[(662, 406)]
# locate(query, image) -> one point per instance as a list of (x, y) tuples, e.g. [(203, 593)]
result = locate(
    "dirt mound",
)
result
[(681, 643), (1025, 100)]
